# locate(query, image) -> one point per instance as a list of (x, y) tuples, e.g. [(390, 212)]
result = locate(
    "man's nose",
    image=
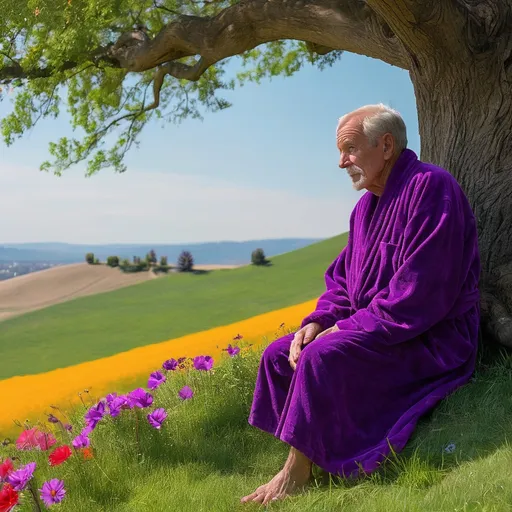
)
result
[(344, 161)]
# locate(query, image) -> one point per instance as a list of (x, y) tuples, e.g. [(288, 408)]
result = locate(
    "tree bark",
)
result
[(465, 122)]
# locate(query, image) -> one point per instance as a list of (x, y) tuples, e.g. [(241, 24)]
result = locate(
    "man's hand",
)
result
[(302, 337), (332, 329)]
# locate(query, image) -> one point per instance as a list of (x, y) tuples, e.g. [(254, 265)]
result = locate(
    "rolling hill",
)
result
[(45, 288), (97, 326)]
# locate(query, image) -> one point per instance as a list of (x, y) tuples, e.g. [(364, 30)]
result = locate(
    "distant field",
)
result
[(59, 284), (97, 326)]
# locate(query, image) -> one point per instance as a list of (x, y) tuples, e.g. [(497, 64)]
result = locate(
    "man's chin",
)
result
[(358, 185)]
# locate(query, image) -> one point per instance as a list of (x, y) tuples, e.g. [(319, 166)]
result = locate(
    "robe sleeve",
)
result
[(333, 304), (436, 259)]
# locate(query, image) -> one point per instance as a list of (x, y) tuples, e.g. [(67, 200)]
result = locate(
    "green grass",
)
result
[(206, 456), (101, 325)]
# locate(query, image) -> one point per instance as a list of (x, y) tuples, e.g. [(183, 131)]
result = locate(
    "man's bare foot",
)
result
[(294, 475)]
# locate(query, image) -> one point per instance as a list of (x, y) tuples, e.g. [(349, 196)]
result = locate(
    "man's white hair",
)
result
[(379, 119)]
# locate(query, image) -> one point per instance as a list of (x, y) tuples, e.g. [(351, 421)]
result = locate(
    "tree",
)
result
[(151, 257), (258, 257), (89, 258), (163, 261), (123, 64), (185, 262), (113, 261)]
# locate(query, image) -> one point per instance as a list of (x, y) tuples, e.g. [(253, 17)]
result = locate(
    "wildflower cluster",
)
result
[(15, 481)]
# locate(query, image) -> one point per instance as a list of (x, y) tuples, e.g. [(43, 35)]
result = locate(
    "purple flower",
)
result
[(20, 478), (203, 363), (52, 492), (157, 417), (110, 397), (95, 414), (53, 419), (81, 441), (233, 351), (156, 379), (170, 365), (118, 403), (68, 427), (185, 393), (140, 398), (86, 430)]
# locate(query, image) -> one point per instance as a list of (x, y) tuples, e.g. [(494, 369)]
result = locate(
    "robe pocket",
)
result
[(388, 257)]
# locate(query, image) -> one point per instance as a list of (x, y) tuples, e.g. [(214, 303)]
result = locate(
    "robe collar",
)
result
[(400, 171)]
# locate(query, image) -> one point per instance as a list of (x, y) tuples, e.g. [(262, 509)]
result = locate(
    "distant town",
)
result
[(12, 269)]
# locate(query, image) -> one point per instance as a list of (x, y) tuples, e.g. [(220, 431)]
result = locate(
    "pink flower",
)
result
[(34, 439), (185, 393)]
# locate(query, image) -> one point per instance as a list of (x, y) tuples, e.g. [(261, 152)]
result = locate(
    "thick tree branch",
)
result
[(347, 25)]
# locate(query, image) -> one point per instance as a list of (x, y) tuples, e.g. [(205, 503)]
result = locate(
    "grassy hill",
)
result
[(206, 456), (101, 325)]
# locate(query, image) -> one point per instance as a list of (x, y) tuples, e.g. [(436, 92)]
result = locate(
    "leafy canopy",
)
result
[(52, 60)]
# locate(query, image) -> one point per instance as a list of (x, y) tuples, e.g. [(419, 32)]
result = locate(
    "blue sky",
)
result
[(265, 168)]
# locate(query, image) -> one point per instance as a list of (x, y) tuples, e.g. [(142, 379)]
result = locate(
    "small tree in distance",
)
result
[(185, 262), (89, 258), (113, 261), (258, 257), (151, 257), (163, 261)]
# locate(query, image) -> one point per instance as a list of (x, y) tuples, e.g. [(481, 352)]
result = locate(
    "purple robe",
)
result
[(404, 294)]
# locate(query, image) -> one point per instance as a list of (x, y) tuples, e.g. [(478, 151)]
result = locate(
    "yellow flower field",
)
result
[(31, 396)]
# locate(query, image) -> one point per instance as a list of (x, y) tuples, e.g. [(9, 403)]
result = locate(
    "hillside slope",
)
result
[(52, 286), (58, 284), (88, 328)]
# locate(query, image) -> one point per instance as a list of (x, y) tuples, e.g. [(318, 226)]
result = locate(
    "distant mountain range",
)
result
[(220, 253)]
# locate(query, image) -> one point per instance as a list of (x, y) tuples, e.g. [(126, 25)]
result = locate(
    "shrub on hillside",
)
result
[(185, 262), (258, 257), (151, 257), (140, 266), (113, 261), (89, 258)]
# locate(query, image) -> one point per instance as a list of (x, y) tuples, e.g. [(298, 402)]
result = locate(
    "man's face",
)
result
[(363, 162)]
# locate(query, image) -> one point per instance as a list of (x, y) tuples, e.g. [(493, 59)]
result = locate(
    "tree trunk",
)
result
[(465, 122)]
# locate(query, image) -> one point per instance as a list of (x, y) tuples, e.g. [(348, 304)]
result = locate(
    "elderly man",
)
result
[(396, 329)]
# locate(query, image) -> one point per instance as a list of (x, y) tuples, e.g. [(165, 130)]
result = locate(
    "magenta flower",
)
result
[(118, 403), (86, 430), (157, 417), (203, 363), (156, 379), (170, 365), (20, 478), (140, 398), (52, 492), (185, 393), (95, 414), (81, 441), (233, 351), (110, 397)]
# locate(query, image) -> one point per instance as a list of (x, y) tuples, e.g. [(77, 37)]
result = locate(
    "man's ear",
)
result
[(388, 146)]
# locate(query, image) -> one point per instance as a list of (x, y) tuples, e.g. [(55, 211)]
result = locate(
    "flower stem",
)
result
[(137, 439), (37, 505)]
